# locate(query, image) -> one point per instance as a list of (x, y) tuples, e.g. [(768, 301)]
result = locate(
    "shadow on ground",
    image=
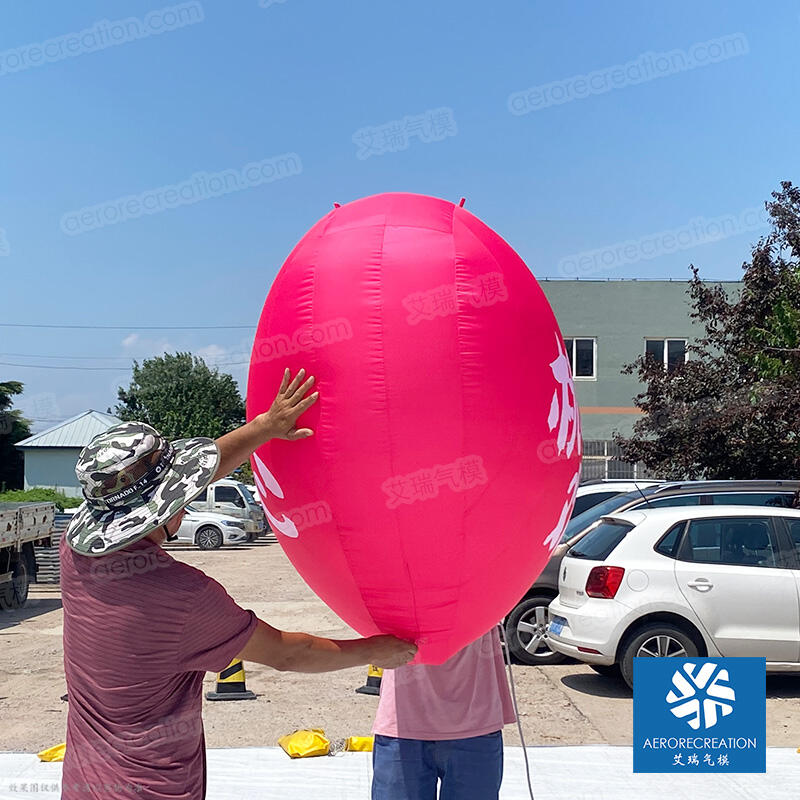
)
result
[(33, 608), (784, 685), (597, 685)]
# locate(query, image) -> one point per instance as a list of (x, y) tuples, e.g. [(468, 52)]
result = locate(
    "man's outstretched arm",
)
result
[(302, 652), (276, 423)]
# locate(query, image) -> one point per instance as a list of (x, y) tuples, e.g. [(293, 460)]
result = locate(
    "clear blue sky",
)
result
[(250, 82)]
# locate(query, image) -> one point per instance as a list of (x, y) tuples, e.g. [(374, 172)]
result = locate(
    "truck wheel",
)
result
[(209, 538), (15, 593)]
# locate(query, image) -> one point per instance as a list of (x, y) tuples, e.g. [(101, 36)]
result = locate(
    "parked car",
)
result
[(593, 492), (718, 581), (527, 621), (233, 498), (209, 530)]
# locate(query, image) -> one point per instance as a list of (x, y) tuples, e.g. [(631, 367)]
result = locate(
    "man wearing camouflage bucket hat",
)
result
[(141, 629)]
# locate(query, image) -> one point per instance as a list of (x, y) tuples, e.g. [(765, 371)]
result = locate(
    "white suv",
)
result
[(686, 581)]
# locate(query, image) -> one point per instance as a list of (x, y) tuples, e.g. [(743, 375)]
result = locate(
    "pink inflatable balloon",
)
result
[(446, 452)]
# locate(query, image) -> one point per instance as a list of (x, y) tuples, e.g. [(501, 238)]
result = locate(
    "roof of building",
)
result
[(561, 279), (75, 432)]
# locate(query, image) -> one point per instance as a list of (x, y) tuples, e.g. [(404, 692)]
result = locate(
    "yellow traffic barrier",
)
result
[(373, 684), (231, 684)]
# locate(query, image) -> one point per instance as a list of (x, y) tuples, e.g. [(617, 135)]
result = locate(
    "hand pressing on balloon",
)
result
[(389, 652), (288, 405), (279, 422)]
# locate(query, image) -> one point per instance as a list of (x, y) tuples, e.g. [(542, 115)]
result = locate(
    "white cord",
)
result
[(516, 709)]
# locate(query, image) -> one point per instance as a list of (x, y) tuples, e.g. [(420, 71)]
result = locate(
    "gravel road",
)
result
[(563, 704)]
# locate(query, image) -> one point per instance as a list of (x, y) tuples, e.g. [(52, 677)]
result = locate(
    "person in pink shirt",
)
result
[(141, 629), (443, 723)]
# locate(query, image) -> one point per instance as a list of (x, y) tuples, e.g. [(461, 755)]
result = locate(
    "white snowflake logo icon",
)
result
[(700, 696)]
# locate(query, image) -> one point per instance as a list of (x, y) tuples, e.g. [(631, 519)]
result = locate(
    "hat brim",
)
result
[(98, 533)]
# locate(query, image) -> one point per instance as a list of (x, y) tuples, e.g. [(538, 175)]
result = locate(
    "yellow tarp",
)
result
[(302, 744), (53, 753)]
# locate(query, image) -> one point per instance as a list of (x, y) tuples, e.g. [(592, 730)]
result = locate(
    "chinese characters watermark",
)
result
[(433, 125), (483, 290), (424, 484)]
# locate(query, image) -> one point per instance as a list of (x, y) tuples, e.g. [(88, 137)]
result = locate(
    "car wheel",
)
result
[(209, 538), (658, 640), (606, 670), (525, 632), (15, 593)]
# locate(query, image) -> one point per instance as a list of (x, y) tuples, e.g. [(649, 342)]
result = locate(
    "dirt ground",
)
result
[(562, 705)]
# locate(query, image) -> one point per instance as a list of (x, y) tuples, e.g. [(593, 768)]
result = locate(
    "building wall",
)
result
[(620, 315), (52, 468)]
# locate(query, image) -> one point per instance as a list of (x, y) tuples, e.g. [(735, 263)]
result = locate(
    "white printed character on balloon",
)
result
[(267, 483), (564, 416)]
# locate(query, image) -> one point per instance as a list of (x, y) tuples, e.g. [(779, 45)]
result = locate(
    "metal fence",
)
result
[(603, 459)]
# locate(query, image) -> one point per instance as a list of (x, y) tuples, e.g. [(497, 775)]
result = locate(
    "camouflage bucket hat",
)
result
[(133, 481)]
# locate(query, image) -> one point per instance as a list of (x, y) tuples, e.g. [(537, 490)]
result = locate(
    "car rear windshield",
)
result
[(590, 516), (587, 501), (599, 543)]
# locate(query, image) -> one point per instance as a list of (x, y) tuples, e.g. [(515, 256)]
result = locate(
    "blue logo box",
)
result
[(699, 715)]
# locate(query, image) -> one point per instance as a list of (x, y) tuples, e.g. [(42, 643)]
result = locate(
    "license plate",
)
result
[(556, 625)]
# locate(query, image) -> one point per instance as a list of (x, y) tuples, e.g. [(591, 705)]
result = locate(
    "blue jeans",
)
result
[(408, 769)]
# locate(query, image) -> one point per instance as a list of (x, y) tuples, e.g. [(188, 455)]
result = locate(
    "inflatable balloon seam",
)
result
[(392, 459)]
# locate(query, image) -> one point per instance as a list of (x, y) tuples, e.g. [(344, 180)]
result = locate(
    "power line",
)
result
[(85, 358), (73, 358), (103, 369), (129, 327)]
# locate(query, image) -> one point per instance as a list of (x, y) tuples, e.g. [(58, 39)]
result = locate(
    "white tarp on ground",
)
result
[(559, 773)]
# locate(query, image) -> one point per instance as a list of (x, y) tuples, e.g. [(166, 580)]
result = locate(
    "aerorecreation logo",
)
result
[(699, 714), (690, 684)]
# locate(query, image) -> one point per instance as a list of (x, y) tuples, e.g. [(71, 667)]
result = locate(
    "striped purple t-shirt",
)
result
[(140, 630)]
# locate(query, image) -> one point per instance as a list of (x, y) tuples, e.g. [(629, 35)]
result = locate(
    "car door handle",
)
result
[(701, 584)]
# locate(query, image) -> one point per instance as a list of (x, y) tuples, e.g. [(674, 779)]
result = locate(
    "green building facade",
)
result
[(606, 325)]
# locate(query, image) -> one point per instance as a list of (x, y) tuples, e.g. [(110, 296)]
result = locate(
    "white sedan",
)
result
[(714, 581), (209, 530)]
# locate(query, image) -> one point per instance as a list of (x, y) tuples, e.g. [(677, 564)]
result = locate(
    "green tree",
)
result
[(13, 428), (732, 410), (180, 396)]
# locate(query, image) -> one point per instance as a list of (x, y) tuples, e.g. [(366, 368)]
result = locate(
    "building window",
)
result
[(670, 352), (582, 354)]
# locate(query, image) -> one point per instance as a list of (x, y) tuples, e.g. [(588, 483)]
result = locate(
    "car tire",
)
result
[(607, 670), (659, 639), (15, 593), (524, 629), (209, 538)]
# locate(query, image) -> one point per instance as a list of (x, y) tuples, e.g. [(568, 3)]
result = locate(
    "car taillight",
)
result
[(604, 581)]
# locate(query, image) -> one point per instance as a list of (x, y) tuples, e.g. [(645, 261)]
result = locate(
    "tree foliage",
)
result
[(180, 396), (13, 428), (732, 410), (41, 496)]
